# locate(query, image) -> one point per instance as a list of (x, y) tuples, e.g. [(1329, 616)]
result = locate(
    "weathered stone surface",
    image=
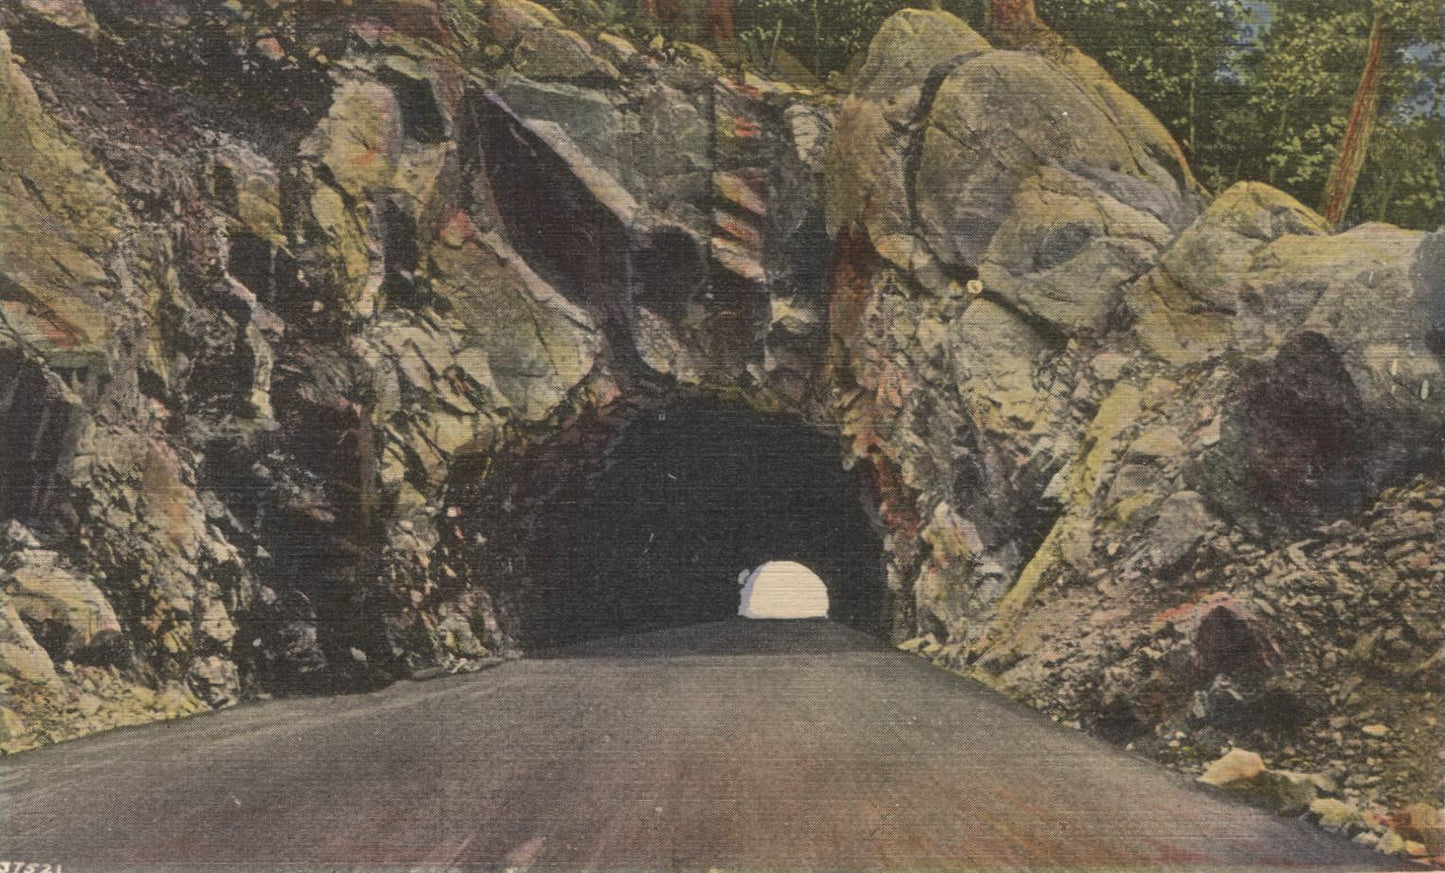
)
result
[(1284, 792), (60, 221), (589, 117), (1424, 824), (1375, 308), (667, 155), (46, 593), (866, 180), (1061, 139), (1235, 767), (994, 356), (865, 177), (538, 345), (1185, 305), (1337, 815), (554, 53), (68, 14), (1183, 520), (511, 19), (1001, 216), (20, 655), (255, 185), (907, 48), (991, 105), (360, 139), (1243, 772), (1066, 249), (1257, 269)]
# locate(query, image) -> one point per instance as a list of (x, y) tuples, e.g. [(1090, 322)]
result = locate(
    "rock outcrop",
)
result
[(312, 317), (272, 276), (1097, 398)]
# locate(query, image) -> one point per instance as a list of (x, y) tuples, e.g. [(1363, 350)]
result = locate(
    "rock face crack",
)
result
[(918, 126)]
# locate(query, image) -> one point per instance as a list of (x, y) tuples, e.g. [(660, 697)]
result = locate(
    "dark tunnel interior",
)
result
[(690, 496)]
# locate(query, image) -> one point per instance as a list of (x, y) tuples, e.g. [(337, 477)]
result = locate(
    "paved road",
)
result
[(737, 745)]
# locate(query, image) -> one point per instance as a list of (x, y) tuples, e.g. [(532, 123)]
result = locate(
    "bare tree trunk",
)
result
[(1017, 23), (1356, 143), (716, 15), (1012, 18), (719, 24)]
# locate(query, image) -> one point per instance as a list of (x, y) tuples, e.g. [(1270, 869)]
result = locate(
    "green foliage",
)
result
[(824, 34), (1172, 54), (1262, 91), (1401, 180)]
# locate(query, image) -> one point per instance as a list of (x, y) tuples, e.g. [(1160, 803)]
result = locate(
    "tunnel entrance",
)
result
[(689, 496)]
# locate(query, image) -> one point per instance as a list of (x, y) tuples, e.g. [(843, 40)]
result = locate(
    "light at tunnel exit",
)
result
[(782, 589)]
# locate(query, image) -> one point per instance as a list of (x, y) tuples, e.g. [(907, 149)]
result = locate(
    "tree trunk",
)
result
[(1361, 124), (719, 24), (1012, 18), (676, 20)]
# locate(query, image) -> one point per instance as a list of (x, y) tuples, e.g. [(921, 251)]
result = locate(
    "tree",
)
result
[(1391, 144), (823, 35), (674, 15), (1176, 56), (1012, 17), (1353, 148), (719, 20)]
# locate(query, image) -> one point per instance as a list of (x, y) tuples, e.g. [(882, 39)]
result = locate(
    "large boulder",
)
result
[(1257, 268), (866, 178), (1076, 196), (1187, 305), (1061, 139)]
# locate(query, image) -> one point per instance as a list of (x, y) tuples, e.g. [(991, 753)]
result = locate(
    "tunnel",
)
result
[(688, 497)]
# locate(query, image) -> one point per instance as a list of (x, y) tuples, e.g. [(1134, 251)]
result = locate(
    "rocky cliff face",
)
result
[(314, 314), (1164, 465), (276, 275)]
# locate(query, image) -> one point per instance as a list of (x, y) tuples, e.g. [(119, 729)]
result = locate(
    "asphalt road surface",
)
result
[(736, 745)]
